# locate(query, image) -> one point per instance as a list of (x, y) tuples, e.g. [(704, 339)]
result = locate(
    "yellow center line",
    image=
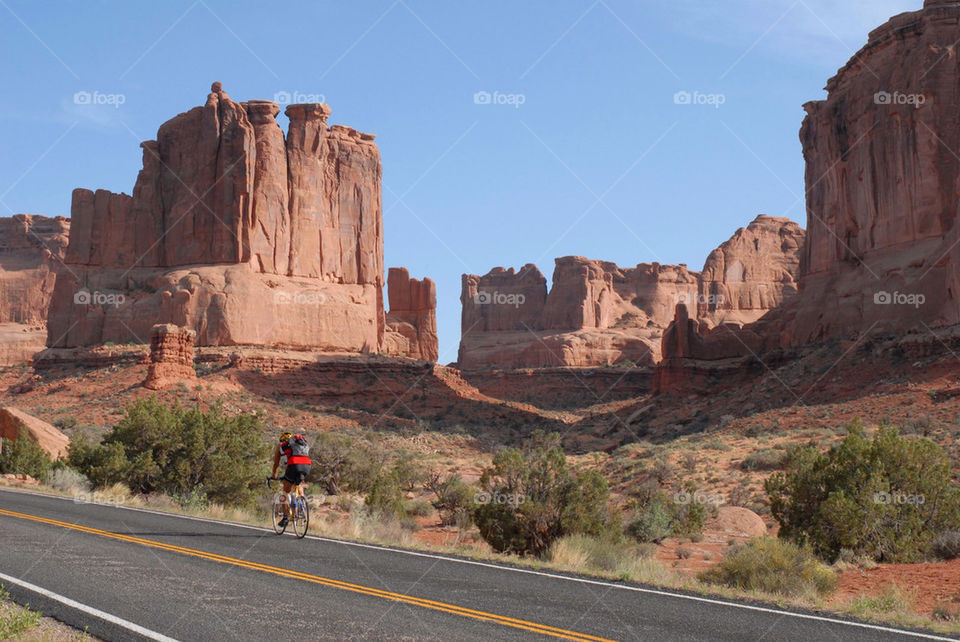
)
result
[(316, 579)]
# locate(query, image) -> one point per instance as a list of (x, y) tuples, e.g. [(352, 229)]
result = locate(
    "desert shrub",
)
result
[(454, 499), (66, 423), (408, 473), (418, 509), (946, 545), (772, 566), (764, 460), (658, 515), (22, 456), (885, 498), (15, 620), (343, 463), (178, 451), (386, 496), (586, 553), (529, 498), (68, 480)]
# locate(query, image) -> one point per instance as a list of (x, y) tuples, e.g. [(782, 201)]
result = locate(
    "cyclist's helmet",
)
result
[(285, 436)]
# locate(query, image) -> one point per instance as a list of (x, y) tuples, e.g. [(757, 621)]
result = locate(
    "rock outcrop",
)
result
[(31, 249), (752, 273), (236, 232), (15, 424), (171, 357), (882, 247), (598, 314), (412, 319), (881, 183)]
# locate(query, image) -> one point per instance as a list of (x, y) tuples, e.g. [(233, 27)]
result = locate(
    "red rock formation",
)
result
[(882, 176), (236, 233), (599, 314), (412, 319), (15, 423), (171, 357), (752, 273), (31, 247)]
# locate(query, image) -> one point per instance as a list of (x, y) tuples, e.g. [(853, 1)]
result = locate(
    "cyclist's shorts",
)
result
[(296, 473)]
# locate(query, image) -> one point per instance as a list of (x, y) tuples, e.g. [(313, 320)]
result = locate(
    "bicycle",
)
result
[(299, 511)]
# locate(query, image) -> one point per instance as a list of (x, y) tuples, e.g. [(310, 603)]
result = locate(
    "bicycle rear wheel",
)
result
[(301, 519), (278, 514)]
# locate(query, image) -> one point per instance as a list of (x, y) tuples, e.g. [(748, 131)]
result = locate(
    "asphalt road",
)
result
[(191, 579)]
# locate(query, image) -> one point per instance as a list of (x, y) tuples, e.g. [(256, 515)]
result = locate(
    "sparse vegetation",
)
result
[(768, 459), (15, 620), (772, 566)]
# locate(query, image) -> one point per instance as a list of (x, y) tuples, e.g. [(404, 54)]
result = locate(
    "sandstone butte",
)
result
[(31, 249), (882, 252), (243, 236), (598, 314)]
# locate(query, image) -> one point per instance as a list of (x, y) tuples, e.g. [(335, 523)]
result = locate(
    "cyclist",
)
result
[(297, 451)]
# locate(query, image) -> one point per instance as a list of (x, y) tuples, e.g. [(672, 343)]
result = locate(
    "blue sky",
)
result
[(582, 148)]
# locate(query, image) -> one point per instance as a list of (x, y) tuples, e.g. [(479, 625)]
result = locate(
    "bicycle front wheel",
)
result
[(278, 514), (301, 520)]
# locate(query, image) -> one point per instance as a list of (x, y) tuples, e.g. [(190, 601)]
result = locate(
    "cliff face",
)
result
[(752, 273), (235, 232), (412, 319), (882, 179), (599, 314), (31, 247), (882, 249)]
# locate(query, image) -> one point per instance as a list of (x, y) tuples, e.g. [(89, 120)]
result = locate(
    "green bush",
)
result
[(885, 498), (22, 456), (342, 463), (386, 496), (772, 566), (454, 500), (190, 454), (529, 498), (658, 515)]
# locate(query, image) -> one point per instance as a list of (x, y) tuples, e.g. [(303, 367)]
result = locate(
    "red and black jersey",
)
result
[(293, 460)]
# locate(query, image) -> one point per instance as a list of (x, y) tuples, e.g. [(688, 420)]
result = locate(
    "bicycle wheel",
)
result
[(278, 514), (301, 520)]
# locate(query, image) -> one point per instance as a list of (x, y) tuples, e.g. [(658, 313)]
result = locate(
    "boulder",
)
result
[(14, 423)]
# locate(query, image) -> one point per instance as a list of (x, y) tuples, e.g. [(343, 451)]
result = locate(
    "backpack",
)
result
[(299, 446)]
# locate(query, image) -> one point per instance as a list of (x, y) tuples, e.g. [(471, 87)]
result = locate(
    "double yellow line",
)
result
[(316, 579)]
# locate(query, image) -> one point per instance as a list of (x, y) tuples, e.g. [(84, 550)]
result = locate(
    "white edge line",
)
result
[(89, 610), (501, 567)]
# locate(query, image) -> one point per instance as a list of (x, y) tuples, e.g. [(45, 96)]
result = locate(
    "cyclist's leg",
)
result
[(287, 487)]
